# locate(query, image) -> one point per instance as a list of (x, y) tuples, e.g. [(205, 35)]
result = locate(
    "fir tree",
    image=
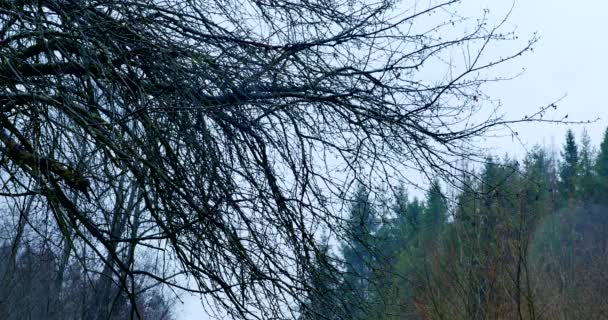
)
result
[(435, 213), (585, 181), (568, 167), (601, 169)]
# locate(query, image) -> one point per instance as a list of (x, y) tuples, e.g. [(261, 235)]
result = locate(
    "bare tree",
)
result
[(31, 291), (237, 125)]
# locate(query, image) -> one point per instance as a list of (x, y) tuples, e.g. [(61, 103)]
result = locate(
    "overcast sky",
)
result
[(571, 59)]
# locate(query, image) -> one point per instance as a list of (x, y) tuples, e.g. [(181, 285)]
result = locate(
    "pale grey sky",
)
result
[(570, 59)]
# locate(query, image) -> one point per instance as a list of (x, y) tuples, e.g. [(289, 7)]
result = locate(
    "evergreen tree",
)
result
[(394, 299), (358, 254), (499, 198), (402, 214), (467, 202), (399, 230), (391, 234), (568, 167), (415, 210), (435, 213), (481, 245), (539, 179), (601, 169), (397, 245), (322, 301), (585, 181)]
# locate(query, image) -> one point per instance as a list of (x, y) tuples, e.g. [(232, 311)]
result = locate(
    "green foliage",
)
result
[(503, 251), (539, 183), (435, 213), (569, 167), (394, 231), (568, 258), (399, 245), (586, 179), (601, 169), (357, 252), (322, 300)]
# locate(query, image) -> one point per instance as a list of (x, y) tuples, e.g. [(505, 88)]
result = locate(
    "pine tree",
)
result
[(489, 226), (568, 167)]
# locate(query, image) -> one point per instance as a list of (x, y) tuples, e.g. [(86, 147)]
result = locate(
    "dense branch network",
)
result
[(230, 127)]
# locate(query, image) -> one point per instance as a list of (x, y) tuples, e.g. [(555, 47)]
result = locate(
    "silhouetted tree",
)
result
[(236, 126)]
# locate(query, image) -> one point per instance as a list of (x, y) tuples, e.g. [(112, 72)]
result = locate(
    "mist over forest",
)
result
[(279, 159)]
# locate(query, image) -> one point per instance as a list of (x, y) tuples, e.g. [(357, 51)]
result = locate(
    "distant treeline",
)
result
[(36, 283), (521, 240)]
